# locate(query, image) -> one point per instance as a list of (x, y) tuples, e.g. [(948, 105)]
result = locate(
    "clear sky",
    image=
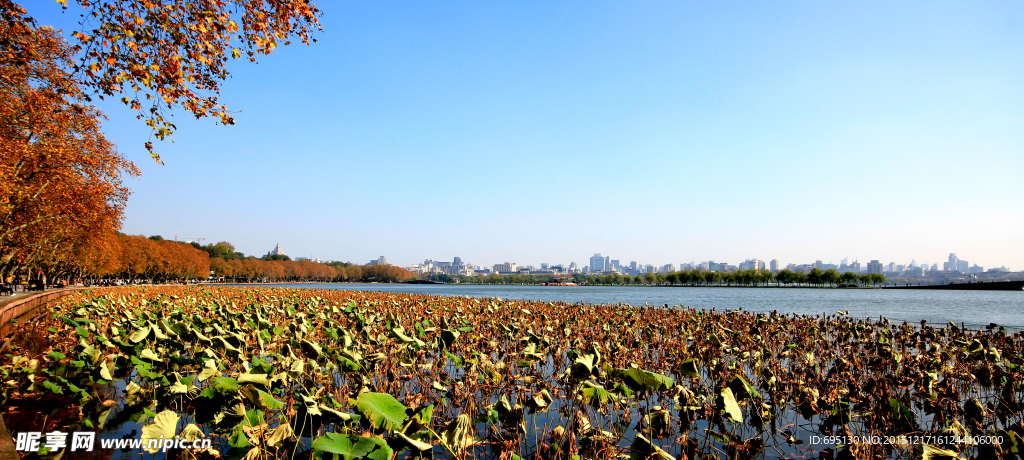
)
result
[(662, 132)]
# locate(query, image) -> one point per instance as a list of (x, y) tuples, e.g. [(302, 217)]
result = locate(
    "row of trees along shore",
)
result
[(133, 258), (696, 277)]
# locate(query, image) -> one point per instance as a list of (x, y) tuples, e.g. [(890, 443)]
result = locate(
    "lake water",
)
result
[(975, 309)]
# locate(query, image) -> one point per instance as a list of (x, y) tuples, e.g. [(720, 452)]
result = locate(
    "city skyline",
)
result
[(603, 262)]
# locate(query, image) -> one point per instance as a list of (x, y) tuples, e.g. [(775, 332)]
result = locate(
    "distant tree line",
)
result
[(696, 277), (232, 265)]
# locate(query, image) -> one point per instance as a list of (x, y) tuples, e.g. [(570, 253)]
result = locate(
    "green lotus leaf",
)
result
[(352, 447), (139, 335), (56, 356), (162, 427), (150, 355), (224, 384), (641, 380), (742, 389), (596, 396), (688, 369), (381, 409)]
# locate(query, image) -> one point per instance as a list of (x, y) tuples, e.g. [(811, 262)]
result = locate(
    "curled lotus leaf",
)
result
[(726, 402), (191, 432), (458, 434), (643, 449), (413, 444), (338, 416), (924, 451), (279, 435), (583, 367), (139, 335), (209, 370), (688, 368), (448, 337), (163, 426), (310, 349), (262, 380)]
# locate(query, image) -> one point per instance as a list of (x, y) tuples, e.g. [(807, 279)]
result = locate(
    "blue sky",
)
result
[(662, 132)]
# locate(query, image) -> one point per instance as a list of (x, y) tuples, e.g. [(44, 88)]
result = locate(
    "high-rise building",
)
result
[(752, 264), (457, 262), (597, 263), (544, 266), (668, 268), (506, 268), (632, 265), (952, 262), (962, 266), (775, 265), (875, 267), (615, 265)]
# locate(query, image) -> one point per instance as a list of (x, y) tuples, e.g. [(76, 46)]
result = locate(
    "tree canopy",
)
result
[(160, 55)]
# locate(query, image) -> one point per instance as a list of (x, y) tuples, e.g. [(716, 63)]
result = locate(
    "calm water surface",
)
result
[(973, 308)]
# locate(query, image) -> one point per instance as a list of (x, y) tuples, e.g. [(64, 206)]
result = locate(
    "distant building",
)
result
[(976, 269), (506, 268), (277, 251), (875, 267), (457, 262), (380, 261), (752, 264), (668, 268), (632, 265), (775, 265), (597, 263), (962, 266)]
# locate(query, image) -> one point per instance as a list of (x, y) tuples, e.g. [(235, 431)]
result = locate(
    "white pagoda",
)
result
[(277, 251)]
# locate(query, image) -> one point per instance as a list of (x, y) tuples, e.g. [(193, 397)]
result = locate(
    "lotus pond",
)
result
[(288, 373)]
